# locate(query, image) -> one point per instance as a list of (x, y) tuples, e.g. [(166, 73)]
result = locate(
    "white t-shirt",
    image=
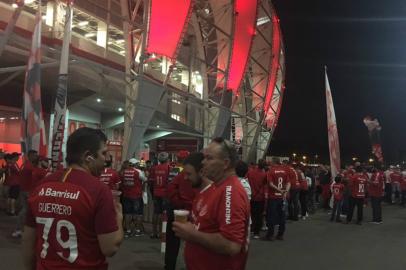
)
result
[(246, 185)]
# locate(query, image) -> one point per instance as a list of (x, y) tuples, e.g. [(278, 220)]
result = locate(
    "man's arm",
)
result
[(110, 242), (212, 241), (28, 247)]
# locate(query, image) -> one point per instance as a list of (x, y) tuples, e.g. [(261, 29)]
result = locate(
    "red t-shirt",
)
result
[(257, 179), (395, 177), (111, 178), (26, 181), (12, 175), (358, 184), (222, 209), (376, 186), (294, 177), (403, 183), (338, 191), (67, 217), (160, 180), (131, 184), (304, 185), (278, 176), (181, 193)]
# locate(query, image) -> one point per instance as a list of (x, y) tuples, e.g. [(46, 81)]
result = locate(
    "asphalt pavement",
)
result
[(312, 244)]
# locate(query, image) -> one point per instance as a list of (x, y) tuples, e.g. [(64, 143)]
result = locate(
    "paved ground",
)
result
[(312, 244)]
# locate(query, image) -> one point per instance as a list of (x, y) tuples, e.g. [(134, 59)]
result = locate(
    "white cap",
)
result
[(133, 161)]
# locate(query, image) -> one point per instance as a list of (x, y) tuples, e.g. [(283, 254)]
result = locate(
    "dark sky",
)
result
[(363, 43)]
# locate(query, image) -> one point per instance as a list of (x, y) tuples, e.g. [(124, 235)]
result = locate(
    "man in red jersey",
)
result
[(293, 199), (337, 189), (278, 187), (133, 205), (193, 171), (257, 179), (357, 184), (219, 237), (180, 195), (109, 176), (395, 178), (72, 220), (160, 179), (376, 187)]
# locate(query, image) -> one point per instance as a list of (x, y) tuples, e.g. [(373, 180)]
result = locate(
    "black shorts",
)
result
[(133, 206), (160, 205), (13, 192)]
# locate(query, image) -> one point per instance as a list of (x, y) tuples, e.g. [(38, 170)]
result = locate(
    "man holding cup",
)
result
[(218, 237)]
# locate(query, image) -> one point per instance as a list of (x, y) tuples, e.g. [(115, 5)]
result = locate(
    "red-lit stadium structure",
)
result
[(156, 75)]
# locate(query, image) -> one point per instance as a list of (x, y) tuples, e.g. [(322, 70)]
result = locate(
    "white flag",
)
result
[(333, 143)]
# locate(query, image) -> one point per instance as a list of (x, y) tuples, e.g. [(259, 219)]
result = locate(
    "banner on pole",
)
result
[(32, 124), (333, 142), (61, 94), (374, 131)]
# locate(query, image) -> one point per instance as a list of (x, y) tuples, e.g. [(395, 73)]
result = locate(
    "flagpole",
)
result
[(58, 128)]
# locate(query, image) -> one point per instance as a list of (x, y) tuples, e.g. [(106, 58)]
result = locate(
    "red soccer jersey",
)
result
[(278, 176), (12, 175), (26, 181), (160, 180), (67, 217), (222, 209), (376, 185), (257, 179), (111, 178), (294, 177), (338, 191), (395, 177), (180, 192), (131, 184), (304, 185), (358, 184), (403, 183)]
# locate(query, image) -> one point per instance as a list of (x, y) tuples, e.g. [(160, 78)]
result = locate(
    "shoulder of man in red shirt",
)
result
[(233, 210), (180, 192), (85, 205)]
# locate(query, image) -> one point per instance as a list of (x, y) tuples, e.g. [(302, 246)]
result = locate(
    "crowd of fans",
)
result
[(228, 200)]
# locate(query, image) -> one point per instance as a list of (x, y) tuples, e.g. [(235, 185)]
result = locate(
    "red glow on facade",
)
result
[(245, 13), (276, 46), (166, 25)]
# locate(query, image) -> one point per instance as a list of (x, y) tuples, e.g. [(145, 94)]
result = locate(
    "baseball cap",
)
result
[(133, 161)]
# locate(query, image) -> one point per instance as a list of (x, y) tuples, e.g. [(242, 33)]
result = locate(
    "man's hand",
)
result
[(184, 230)]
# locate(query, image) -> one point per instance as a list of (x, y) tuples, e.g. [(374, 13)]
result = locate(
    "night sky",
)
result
[(363, 44)]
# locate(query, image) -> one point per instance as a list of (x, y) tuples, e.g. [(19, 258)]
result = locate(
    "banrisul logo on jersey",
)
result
[(49, 192)]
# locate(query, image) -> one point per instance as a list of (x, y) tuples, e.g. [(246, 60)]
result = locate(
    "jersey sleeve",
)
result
[(232, 215), (105, 216)]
